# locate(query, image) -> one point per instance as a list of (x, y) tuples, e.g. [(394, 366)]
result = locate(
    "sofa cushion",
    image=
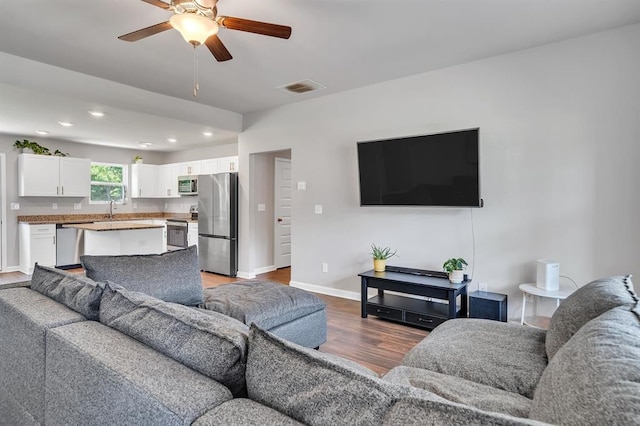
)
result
[(245, 412), (209, 342), (428, 412), (312, 388), (173, 276), (26, 316), (264, 303), (585, 304), (75, 291), (98, 376), (594, 379), (462, 391), (506, 356)]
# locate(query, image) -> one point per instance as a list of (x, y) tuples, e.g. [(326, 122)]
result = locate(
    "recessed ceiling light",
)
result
[(65, 123), (145, 144), (172, 140), (97, 113), (207, 133), (42, 132)]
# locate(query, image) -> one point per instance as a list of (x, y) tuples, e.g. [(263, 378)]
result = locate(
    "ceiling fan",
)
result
[(198, 22)]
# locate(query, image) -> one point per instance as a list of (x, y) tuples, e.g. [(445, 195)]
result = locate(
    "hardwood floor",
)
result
[(374, 343)]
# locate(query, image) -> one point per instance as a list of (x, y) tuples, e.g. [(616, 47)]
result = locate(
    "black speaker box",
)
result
[(483, 304)]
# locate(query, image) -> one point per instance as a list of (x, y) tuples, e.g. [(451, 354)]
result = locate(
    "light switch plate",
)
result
[(77, 206), (135, 205), (15, 206), (318, 208), (302, 186), (54, 206), (262, 207)]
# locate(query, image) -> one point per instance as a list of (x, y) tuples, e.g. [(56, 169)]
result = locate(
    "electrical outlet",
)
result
[(77, 206), (482, 287), (55, 206), (135, 205), (15, 206), (325, 267)]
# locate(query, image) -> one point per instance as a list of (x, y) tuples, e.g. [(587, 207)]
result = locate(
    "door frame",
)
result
[(276, 199), (3, 211)]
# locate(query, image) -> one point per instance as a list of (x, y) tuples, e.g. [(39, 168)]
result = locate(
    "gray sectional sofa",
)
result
[(74, 351)]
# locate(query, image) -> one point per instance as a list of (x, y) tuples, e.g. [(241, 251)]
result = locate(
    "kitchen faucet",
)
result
[(110, 209)]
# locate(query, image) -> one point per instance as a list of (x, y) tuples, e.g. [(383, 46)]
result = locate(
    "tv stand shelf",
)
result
[(418, 312)]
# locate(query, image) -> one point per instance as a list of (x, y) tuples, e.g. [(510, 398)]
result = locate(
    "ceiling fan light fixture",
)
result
[(195, 28)]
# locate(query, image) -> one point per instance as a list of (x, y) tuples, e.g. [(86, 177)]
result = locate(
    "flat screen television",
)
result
[(428, 170)]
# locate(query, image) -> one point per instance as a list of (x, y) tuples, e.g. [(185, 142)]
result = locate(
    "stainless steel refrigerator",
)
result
[(218, 223)]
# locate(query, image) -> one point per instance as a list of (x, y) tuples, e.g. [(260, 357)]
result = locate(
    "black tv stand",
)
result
[(420, 272), (451, 298)]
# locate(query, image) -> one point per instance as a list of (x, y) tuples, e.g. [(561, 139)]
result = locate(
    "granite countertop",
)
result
[(90, 218), (111, 226)]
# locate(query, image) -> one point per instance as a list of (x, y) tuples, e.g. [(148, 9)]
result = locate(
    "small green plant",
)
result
[(379, 253), (33, 146), (137, 158), (454, 264)]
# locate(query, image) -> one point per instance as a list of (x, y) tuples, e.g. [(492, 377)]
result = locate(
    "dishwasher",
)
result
[(69, 247)]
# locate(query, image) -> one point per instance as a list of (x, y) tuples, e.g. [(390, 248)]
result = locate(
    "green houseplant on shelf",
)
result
[(30, 147), (454, 268), (380, 256)]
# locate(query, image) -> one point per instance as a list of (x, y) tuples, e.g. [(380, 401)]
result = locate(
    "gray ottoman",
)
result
[(291, 313)]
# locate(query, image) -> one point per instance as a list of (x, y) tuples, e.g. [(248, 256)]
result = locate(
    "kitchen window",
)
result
[(108, 183)]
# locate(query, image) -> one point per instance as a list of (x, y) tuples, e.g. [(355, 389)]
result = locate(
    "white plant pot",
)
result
[(456, 277)]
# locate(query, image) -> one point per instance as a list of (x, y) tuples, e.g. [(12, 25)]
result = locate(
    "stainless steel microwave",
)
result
[(188, 185)]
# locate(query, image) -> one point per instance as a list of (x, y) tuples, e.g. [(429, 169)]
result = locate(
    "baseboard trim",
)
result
[(245, 275), (344, 294), (264, 269), (11, 269)]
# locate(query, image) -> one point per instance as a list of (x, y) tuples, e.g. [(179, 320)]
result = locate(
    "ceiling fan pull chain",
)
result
[(196, 86)]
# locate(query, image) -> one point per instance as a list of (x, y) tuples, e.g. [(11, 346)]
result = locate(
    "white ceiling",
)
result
[(145, 87)]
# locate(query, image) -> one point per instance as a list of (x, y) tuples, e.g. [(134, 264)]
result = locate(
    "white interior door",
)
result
[(282, 203)]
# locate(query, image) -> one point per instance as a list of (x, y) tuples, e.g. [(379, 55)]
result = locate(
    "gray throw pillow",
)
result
[(173, 276), (314, 389), (594, 379), (585, 304), (208, 342), (75, 291)]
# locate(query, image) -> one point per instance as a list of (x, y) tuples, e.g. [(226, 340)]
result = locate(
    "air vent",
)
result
[(300, 87)]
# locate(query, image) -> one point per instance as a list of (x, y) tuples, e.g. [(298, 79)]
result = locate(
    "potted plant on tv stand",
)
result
[(380, 256), (454, 268)]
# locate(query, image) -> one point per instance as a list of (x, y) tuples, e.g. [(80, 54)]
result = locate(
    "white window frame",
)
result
[(124, 183)]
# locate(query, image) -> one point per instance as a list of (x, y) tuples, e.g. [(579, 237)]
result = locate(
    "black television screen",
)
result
[(427, 170)]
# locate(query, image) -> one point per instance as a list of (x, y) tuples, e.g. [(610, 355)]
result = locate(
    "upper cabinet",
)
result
[(209, 167), (143, 181), (190, 168), (227, 164), (167, 180), (52, 176)]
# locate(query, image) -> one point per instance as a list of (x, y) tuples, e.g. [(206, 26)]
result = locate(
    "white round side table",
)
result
[(536, 320)]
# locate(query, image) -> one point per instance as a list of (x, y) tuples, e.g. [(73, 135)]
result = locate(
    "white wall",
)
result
[(559, 135)]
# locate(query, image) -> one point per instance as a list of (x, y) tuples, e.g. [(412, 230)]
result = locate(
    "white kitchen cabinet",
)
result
[(167, 180), (37, 244), (209, 167), (190, 168), (143, 181), (52, 176), (227, 164), (192, 234)]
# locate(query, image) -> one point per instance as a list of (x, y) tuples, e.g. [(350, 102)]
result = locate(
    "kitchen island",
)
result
[(118, 238)]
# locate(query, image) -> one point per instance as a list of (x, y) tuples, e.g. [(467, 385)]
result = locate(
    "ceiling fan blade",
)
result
[(158, 3), (146, 32), (255, 27), (218, 50)]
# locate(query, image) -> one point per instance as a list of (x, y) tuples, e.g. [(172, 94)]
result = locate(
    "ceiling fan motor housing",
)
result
[(206, 8)]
